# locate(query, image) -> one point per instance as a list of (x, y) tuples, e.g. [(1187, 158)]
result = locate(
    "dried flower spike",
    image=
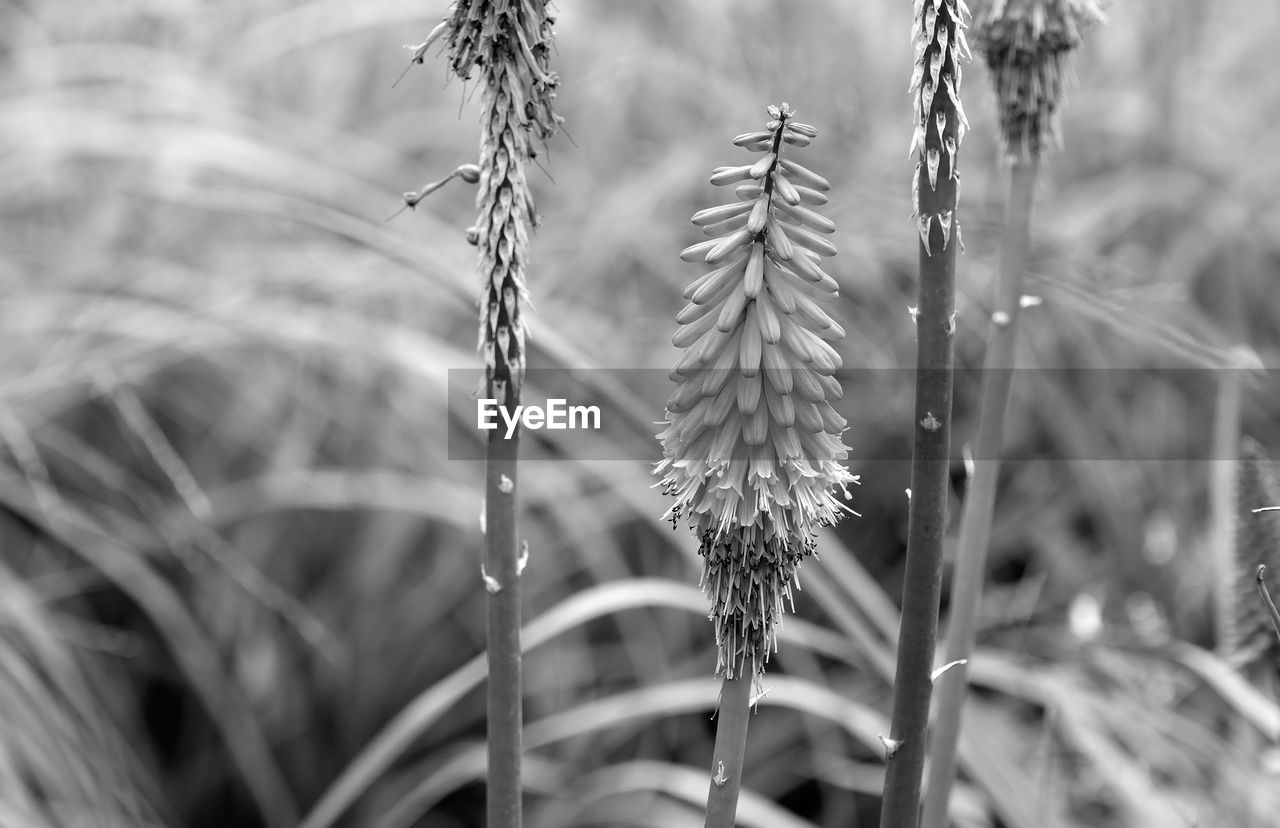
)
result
[(510, 41), (939, 121), (1028, 46), (752, 447)]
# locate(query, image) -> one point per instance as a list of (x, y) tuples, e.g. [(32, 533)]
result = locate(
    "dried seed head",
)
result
[(752, 447), (510, 42), (1028, 45)]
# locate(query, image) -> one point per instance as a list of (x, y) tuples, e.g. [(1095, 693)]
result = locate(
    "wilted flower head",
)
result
[(752, 448), (1028, 46)]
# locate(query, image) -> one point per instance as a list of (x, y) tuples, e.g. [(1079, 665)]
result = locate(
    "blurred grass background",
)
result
[(238, 579)]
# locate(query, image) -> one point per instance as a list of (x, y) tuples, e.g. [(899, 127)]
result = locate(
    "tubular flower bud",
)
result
[(510, 42), (752, 447), (1029, 45)]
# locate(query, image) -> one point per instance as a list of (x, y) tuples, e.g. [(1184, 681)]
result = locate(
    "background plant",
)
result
[(1249, 640), (193, 197)]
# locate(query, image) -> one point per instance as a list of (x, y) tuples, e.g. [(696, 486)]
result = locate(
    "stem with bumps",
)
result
[(939, 128), (979, 504), (509, 41), (502, 631), (1027, 45)]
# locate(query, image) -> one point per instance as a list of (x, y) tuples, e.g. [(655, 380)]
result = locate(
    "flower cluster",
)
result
[(939, 119), (752, 447), (510, 42), (1028, 46)]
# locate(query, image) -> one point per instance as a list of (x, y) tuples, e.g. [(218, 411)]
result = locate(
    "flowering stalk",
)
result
[(753, 446), (509, 42), (1027, 45), (938, 130)]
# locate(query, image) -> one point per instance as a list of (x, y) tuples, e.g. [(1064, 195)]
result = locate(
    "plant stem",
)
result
[(1225, 490), (1224, 498), (930, 477), (938, 132), (731, 746), (503, 632), (979, 504), (509, 43)]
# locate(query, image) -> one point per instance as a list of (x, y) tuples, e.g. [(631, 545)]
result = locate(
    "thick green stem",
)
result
[(731, 747), (979, 505), (509, 43), (502, 564)]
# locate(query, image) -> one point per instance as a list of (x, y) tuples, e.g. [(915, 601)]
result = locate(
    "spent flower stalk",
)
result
[(1028, 46), (939, 126), (508, 43)]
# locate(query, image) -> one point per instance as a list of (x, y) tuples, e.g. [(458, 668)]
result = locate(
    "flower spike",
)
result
[(752, 446)]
